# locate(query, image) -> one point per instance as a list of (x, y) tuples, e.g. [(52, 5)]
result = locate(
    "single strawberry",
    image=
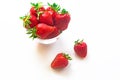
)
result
[(80, 48), (62, 20), (34, 10), (41, 31), (33, 20), (29, 21), (46, 18), (53, 9), (60, 61), (52, 12), (55, 33)]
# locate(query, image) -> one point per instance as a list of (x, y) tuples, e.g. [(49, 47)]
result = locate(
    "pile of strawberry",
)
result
[(45, 22)]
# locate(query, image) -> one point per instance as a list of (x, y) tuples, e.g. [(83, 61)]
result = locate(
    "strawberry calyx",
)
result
[(37, 5), (67, 56), (55, 7), (64, 11), (26, 21), (79, 41), (32, 33)]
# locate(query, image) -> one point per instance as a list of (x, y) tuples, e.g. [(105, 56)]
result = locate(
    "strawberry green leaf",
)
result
[(67, 56), (33, 4), (37, 5), (55, 6), (79, 41), (26, 21), (76, 42), (32, 33), (64, 11), (22, 17)]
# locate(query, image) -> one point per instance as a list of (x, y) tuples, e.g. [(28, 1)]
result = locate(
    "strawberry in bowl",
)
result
[(46, 23)]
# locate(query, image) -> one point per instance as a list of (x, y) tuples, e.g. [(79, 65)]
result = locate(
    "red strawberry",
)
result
[(36, 7), (41, 31), (80, 48), (61, 18), (51, 11), (62, 21), (55, 33), (60, 61), (29, 21), (33, 20), (46, 18), (33, 11)]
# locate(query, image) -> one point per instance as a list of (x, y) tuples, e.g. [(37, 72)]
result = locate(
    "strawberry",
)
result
[(60, 61), (52, 12), (48, 15), (44, 30), (33, 20), (46, 18), (45, 23), (55, 33), (41, 31), (80, 48), (34, 10), (62, 20), (29, 21)]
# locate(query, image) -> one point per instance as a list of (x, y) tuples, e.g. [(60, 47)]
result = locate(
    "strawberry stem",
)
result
[(67, 56), (32, 32)]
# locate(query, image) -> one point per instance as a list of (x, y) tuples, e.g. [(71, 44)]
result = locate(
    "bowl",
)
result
[(48, 41), (46, 22)]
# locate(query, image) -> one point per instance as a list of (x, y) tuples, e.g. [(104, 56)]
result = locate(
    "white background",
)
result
[(97, 21)]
